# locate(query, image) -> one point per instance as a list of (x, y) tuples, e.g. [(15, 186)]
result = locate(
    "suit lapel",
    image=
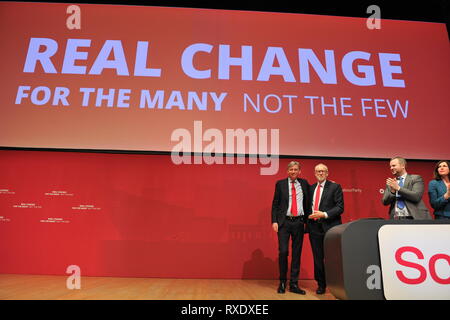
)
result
[(285, 187), (407, 182), (442, 186), (305, 192), (325, 191), (301, 185)]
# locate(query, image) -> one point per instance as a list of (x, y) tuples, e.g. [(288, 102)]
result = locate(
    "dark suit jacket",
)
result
[(332, 202), (411, 192), (280, 201), (436, 191)]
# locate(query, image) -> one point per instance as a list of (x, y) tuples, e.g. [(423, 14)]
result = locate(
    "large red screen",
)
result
[(130, 77)]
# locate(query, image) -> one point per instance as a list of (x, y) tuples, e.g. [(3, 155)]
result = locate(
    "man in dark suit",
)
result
[(290, 205), (403, 193), (327, 206)]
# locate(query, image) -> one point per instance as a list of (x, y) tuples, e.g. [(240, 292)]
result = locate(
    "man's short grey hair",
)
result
[(293, 163), (321, 164)]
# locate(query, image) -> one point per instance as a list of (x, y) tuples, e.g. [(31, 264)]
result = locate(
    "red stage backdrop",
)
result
[(209, 81), (142, 216)]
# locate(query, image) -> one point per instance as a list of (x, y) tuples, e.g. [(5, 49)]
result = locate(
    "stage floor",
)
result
[(48, 287)]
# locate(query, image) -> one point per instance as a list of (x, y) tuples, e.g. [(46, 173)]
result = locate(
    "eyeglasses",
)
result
[(321, 171)]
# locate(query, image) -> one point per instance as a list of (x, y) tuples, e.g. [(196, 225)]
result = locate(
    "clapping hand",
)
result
[(316, 215), (393, 184)]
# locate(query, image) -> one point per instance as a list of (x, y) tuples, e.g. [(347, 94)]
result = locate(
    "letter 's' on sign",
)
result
[(415, 261)]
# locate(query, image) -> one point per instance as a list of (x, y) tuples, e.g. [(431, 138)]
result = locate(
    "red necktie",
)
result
[(316, 201), (294, 201)]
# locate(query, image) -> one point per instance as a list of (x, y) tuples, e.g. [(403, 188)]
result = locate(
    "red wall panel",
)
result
[(137, 215)]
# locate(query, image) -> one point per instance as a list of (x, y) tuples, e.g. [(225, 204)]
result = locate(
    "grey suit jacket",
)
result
[(412, 191)]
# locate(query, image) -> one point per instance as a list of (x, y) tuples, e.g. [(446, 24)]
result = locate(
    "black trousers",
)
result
[(291, 229), (316, 238)]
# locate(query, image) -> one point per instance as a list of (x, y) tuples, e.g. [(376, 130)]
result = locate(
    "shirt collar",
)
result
[(403, 176)]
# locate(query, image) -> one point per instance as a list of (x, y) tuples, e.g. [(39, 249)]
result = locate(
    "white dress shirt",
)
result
[(322, 185), (299, 194)]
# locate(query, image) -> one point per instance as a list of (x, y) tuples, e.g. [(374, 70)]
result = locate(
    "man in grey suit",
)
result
[(404, 193)]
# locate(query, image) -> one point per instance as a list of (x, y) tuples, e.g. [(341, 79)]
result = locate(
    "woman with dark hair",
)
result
[(439, 190)]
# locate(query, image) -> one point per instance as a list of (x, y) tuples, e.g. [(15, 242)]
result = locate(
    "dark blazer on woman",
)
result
[(436, 191)]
